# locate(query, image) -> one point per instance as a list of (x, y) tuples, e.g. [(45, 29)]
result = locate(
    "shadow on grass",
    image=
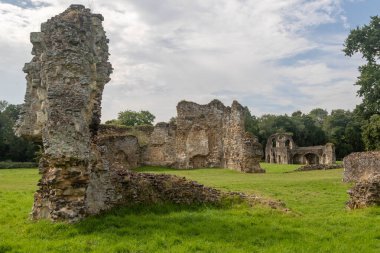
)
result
[(167, 225), (167, 169)]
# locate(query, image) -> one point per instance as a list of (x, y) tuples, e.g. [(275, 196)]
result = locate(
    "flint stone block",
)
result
[(36, 37)]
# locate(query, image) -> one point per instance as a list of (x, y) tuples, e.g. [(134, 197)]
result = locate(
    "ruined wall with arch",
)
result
[(282, 149)]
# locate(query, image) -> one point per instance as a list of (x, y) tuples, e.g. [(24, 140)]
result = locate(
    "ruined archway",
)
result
[(311, 158), (298, 159)]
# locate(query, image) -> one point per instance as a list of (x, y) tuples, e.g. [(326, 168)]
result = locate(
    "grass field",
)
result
[(318, 221)]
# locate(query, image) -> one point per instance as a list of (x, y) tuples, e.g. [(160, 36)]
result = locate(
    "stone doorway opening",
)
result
[(198, 161), (312, 158)]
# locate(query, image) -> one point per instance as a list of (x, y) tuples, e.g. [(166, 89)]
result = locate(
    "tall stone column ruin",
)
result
[(65, 82)]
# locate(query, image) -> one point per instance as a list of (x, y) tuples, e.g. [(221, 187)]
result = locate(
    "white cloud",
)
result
[(169, 50)]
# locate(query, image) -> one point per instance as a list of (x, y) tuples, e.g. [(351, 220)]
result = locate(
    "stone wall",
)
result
[(361, 166), (160, 148), (365, 193), (214, 135), (210, 135)]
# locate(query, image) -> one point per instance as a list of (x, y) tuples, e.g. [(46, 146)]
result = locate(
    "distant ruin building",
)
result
[(282, 149)]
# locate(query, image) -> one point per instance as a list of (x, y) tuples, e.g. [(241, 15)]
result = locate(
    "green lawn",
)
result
[(318, 221)]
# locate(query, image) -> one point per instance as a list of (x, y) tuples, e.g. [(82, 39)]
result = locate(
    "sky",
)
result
[(274, 56)]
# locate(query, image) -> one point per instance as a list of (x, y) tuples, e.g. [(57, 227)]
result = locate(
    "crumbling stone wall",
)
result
[(210, 135), (363, 168), (84, 170), (213, 135), (160, 148), (281, 148)]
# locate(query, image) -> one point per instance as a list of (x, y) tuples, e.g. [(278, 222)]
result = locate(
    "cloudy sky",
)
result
[(274, 56)]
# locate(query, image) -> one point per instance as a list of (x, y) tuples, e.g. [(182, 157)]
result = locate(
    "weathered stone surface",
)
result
[(65, 81), (210, 135), (361, 166), (160, 149), (282, 149), (365, 193), (213, 135), (319, 167)]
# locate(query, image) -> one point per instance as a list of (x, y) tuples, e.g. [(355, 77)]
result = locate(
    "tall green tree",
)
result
[(366, 40), (371, 133), (13, 148), (343, 128), (3, 105), (251, 122), (133, 118), (319, 116)]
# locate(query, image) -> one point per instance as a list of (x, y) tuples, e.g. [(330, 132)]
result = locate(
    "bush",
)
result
[(16, 165)]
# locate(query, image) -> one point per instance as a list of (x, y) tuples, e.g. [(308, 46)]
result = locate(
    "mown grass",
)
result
[(318, 221)]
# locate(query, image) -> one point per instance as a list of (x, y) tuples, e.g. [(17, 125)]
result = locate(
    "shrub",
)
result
[(16, 165)]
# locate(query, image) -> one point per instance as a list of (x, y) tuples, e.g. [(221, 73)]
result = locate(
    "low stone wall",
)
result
[(160, 188), (319, 167)]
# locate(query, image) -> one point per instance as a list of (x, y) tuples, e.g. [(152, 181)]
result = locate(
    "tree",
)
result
[(12, 147), (3, 105), (371, 133), (306, 131), (133, 118), (366, 40), (251, 122), (319, 116), (343, 128)]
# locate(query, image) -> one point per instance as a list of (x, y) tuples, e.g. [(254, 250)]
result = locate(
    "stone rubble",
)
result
[(319, 167)]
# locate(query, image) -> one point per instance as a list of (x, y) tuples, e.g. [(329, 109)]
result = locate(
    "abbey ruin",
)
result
[(282, 149), (211, 135), (84, 165)]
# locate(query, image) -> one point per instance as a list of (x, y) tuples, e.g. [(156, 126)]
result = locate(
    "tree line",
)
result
[(13, 148), (341, 127)]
